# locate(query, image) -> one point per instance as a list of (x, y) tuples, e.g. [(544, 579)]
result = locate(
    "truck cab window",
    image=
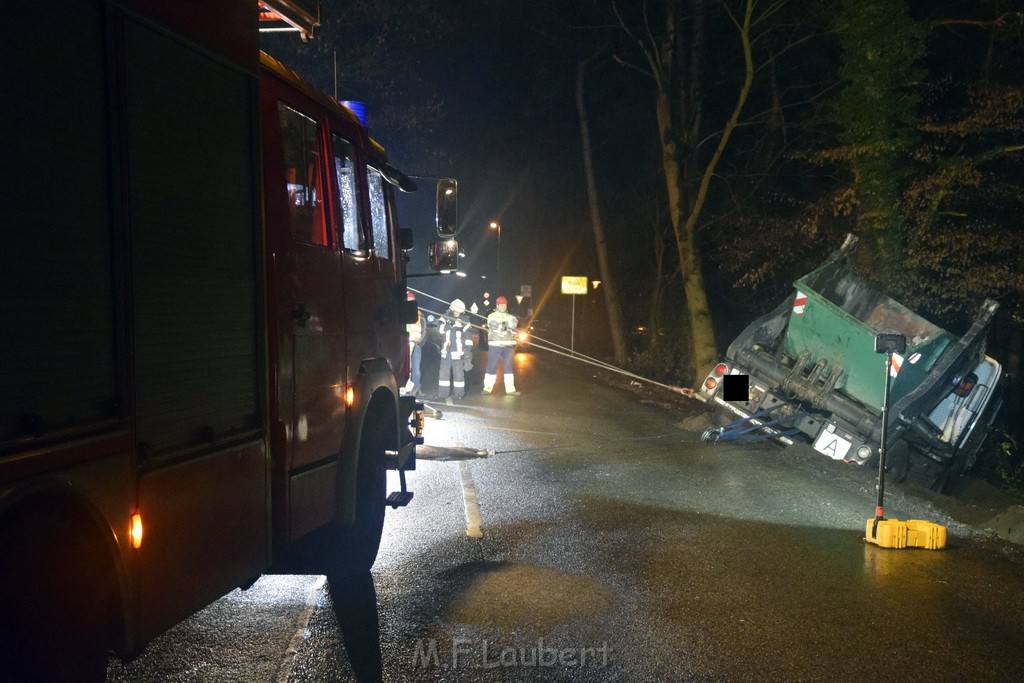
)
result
[(301, 162), (379, 213), (348, 195)]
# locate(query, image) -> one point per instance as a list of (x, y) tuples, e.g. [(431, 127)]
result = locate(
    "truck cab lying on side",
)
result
[(812, 372)]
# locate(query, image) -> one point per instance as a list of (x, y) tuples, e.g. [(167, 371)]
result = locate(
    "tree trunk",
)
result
[(657, 314), (610, 291), (671, 116)]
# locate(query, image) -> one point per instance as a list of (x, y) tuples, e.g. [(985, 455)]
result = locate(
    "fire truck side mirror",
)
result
[(408, 311), (447, 207), (405, 239), (444, 256)]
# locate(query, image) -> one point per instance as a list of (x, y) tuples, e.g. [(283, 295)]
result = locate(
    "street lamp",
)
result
[(495, 225)]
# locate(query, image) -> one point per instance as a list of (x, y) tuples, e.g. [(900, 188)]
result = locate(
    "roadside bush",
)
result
[(1001, 461), (665, 362)]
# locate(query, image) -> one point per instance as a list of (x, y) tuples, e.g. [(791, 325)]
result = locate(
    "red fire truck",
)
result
[(203, 305)]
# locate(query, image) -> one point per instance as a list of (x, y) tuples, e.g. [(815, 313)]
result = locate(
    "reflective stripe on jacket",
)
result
[(501, 328)]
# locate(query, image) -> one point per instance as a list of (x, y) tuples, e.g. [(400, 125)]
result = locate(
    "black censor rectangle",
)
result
[(736, 387)]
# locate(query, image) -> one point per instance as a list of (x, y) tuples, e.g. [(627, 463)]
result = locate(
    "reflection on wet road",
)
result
[(613, 545)]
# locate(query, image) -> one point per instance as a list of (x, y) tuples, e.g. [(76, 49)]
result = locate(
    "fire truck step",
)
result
[(399, 499)]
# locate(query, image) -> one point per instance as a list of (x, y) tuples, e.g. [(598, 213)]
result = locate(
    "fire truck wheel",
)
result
[(56, 614), (360, 541)]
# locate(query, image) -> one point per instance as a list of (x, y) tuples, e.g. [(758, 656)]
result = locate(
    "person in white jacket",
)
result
[(456, 346), (501, 341)]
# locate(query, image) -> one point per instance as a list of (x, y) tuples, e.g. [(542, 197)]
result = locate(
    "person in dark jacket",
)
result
[(456, 346)]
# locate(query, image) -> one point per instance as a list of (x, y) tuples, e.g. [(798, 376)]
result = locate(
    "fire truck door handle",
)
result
[(301, 315)]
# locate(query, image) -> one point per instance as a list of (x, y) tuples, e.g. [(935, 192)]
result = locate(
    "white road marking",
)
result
[(300, 631), (469, 498)]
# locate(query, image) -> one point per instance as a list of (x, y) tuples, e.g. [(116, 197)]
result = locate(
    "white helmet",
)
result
[(458, 305)]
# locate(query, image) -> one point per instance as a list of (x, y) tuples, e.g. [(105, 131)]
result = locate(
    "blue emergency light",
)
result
[(358, 108)]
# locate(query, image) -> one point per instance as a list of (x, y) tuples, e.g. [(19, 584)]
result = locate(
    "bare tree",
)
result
[(663, 272), (611, 298), (674, 60)]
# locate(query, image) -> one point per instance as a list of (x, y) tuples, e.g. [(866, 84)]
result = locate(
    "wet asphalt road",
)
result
[(610, 544)]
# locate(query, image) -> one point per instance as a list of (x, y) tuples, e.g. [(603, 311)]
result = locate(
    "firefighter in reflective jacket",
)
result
[(456, 346), (501, 340)]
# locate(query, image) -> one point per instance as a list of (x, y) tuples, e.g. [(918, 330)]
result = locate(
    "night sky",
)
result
[(485, 92), (507, 130)]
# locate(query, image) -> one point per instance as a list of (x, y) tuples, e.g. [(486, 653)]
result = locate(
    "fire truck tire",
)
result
[(56, 601), (360, 541)]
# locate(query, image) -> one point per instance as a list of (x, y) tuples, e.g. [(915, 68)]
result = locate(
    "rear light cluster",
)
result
[(712, 381), (964, 384)]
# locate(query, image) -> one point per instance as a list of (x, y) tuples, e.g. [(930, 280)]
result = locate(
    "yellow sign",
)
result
[(574, 284)]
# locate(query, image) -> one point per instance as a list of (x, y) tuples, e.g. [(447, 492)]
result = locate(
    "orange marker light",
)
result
[(135, 530), (350, 396)]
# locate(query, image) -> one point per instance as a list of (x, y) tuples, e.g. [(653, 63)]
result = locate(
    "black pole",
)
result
[(887, 344), (879, 507)]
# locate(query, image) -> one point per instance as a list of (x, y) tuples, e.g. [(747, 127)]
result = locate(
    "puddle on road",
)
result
[(513, 596)]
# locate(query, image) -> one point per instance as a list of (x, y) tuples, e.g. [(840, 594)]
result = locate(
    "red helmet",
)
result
[(500, 300)]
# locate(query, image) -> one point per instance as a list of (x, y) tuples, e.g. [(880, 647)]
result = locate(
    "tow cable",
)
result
[(745, 429), (558, 349)]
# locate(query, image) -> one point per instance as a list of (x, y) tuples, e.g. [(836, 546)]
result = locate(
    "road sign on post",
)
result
[(573, 284), (525, 300)]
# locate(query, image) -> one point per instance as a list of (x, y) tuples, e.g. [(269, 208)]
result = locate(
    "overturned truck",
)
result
[(812, 372)]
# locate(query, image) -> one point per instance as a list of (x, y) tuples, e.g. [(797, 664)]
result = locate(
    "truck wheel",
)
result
[(897, 461), (359, 542), (962, 461), (927, 473)]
